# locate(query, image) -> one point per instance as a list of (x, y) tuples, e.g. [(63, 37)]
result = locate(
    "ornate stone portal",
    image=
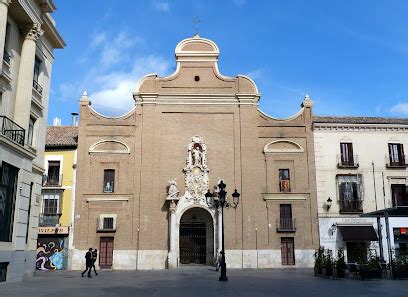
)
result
[(196, 185)]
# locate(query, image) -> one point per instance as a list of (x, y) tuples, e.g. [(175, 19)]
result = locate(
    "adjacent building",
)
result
[(142, 177), (361, 168), (28, 37), (57, 198)]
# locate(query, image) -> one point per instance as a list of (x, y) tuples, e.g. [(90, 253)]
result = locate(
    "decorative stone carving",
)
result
[(173, 206), (173, 192), (196, 171), (6, 2), (32, 31)]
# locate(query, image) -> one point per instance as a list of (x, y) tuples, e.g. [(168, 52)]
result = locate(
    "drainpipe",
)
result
[(387, 228), (378, 219)]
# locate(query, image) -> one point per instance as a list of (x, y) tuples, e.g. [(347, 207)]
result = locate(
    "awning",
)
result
[(398, 211), (358, 233)]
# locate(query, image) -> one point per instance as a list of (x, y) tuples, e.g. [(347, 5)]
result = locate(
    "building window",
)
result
[(3, 271), (37, 68), (108, 180), (51, 203), (30, 135), (8, 189), (107, 223), (346, 154), (288, 251), (284, 180), (6, 55), (397, 157), (53, 177), (350, 193), (286, 222), (399, 195), (401, 241)]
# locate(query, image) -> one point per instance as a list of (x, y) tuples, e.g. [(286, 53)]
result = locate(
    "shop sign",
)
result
[(53, 230), (403, 230)]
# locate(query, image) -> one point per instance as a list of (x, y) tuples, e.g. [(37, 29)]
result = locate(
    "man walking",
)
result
[(88, 262), (94, 256)]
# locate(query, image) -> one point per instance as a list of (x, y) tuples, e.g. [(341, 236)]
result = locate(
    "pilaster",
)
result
[(4, 4)]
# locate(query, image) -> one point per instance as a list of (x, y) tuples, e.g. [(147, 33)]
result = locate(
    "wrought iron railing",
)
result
[(49, 219), (351, 206), (396, 161), (11, 130), (52, 180), (286, 225), (37, 86), (107, 224), (6, 57), (349, 162)]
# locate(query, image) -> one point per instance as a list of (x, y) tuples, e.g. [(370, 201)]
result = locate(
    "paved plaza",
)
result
[(199, 281)]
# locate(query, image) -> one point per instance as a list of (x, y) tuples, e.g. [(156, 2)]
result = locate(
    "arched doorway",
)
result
[(196, 237)]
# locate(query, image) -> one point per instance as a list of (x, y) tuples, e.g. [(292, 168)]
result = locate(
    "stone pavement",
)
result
[(198, 281)]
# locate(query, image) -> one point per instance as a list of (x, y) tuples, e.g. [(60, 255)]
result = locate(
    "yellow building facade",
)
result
[(57, 199)]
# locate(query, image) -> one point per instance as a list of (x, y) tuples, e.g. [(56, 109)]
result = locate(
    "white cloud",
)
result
[(400, 108), (98, 39), (113, 51), (113, 94), (161, 6)]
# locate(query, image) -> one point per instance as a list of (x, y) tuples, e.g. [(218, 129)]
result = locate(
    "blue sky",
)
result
[(351, 57)]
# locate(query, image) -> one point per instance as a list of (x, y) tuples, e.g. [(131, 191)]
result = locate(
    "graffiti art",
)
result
[(50, 254)]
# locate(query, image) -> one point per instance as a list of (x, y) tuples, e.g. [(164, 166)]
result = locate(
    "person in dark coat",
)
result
[(94, 257), (88, 262)]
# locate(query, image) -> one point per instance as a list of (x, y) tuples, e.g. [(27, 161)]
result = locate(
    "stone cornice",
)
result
[(359, 127), (27, 5)]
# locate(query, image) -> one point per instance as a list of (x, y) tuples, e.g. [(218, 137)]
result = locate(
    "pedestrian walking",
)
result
[(94, 257), (88, 262)]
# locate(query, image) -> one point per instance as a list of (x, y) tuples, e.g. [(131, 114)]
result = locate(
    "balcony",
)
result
[(106, 224), (37, 87), (350, 162), (285, 225), (52, 180), (399, 161), (11, 130), (7, 57), (49, 220), (351, 206), (108, 187)]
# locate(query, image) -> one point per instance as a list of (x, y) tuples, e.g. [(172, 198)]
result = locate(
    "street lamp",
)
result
[(222, 203)]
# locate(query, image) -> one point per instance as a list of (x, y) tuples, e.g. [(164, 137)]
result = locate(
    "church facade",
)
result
[(142, 177)]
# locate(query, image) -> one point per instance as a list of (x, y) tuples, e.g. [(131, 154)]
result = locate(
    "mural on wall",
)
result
[(50, 254)]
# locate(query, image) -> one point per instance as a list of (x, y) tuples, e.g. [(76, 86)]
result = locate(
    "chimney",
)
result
[(74, 119), (56, 121)]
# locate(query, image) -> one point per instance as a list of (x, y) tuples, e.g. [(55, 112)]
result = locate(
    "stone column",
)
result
[(25, 75), (173, 238), (3, 23)]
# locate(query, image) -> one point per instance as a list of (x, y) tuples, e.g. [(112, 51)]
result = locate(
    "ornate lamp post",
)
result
[(222, 203)]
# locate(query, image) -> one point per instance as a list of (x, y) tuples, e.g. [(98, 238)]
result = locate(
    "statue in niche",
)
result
[(173, 191), (197, 155)]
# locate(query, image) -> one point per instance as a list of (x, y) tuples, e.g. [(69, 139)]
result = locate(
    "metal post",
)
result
[(223, 277), (387, 228)]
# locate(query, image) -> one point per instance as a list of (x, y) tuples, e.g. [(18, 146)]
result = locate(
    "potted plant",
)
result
[(371, 269), (318, 256), (400, 266), (339, 270), (328, 263)]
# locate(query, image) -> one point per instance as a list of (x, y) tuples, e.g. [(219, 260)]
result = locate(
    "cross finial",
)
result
[(197, 25)]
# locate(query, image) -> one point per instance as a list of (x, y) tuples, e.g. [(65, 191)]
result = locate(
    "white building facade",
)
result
[(361, 168), (28, 37)]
